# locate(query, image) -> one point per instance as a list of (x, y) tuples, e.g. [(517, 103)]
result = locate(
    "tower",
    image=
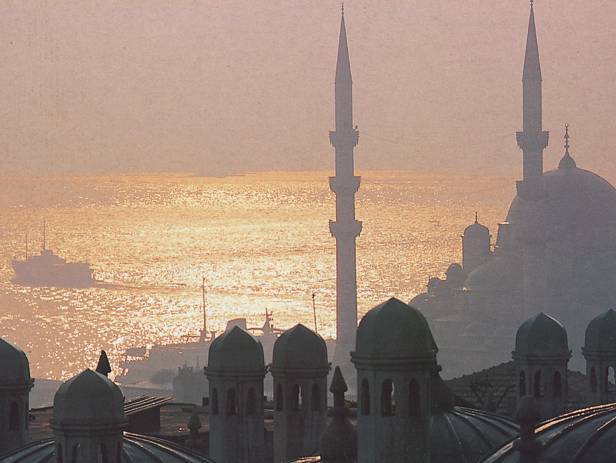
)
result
[(541, 355), (600, 353), (15, 386), (532, 140), (300, 370), (395, 358), (475, 246), (88, 418), (235, 372), (344, 185)]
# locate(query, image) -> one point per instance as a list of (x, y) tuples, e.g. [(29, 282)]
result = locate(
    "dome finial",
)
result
[(476, 217), (103, 366), (567, 162), (342, 8)]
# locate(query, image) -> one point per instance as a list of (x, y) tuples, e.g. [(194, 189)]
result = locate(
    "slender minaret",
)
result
[(532, 141), (345, 184)]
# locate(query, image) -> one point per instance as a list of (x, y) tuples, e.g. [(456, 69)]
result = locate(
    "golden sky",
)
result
[(180, 84)]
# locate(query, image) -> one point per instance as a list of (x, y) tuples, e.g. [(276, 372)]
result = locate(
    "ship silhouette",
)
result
[(49, 269)]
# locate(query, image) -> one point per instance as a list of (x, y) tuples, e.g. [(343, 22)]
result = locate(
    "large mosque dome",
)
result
[(579, 205)]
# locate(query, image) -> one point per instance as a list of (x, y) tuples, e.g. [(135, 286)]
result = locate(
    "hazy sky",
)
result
[(178, 84)]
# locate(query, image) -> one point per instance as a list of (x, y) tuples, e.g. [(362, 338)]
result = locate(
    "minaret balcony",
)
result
[(344, 138), (345, 229), (532, 141), (344, 186)]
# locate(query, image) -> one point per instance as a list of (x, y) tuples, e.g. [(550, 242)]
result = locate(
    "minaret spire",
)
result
[(345, 184), (532, 140)]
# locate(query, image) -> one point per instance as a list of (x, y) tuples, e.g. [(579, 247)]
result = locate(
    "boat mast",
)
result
[(26, 245), (314, 313), (204, 309)]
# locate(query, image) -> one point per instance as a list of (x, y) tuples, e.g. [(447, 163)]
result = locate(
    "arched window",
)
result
[(214, 401), (522, 385), (315, 398), (537, 386), (610, 378), (14, 417), (279, 397), (59, 455), (387, 398), (75, 455), (414, 403), (365, 398), (296, 393), (102, 454), (558, 385), (251, 402), (27, 415), (593, 380), (231, 403)]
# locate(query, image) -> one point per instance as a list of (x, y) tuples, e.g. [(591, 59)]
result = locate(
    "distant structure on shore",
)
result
[(555, 252), (345, 184)]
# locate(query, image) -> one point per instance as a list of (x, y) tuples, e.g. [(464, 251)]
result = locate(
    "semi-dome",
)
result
[(582, 436), (601, 333), (14, 366), (498, 274), (135, 448), (236, 351), (394, 329), (541, 336), (88, 398), (300, 348)]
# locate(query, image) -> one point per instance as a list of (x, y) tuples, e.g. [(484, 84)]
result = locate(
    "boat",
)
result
[(155, 366), (49, 269)]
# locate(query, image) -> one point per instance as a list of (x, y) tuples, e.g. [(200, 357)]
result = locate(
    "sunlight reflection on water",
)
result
[(260, 240)]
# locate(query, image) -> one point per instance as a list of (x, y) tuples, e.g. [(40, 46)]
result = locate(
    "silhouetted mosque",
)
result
[(555, 252), (404, 412)]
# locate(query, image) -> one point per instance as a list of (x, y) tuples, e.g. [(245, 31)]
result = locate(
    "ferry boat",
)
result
[(49, 269)]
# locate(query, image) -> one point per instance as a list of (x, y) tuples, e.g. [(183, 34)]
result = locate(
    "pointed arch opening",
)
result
[(522, 384), (279, 397), (231, 402), (315, 398), (296, 397), (610, 379), (75, 456), (557, 385), (414, 401), (14, 417), (387, 398), (365, 398), (251, 402), (593, 380), (537, 384), (214, 401)]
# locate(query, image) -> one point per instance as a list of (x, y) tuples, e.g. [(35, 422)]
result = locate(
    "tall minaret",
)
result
[(532, 140), (345, 184)]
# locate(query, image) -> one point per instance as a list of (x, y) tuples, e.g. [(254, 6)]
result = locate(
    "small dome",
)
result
[(300, 348), (541, 336), (135, 448), (498, 274), (601, 333), (394, 330), (88, 399), (14, 366), (477, 230), (582, 436), (236, 351)]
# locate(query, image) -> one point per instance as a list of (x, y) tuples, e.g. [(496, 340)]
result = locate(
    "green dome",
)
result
[(236, 351), (395, 330), (542, 336), (88, 398), (14, 366), (300, 348), (601, 333)]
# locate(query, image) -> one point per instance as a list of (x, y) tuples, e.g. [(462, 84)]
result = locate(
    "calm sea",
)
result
[(261, 241)]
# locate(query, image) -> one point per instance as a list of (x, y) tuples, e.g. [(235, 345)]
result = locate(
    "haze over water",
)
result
[(260, 240)]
